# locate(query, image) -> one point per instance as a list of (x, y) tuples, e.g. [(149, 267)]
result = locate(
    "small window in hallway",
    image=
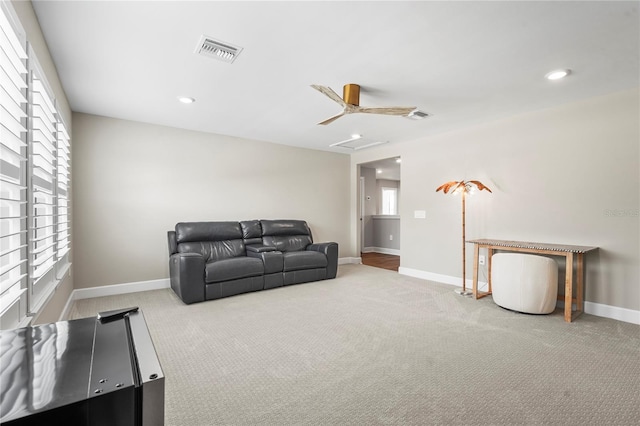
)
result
[(389, 201)]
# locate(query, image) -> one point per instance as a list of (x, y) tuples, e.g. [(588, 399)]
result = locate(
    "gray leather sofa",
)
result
[(210, 260)]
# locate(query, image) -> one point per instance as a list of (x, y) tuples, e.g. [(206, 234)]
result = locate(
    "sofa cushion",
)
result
[(213, 240), (214, 250), (232, 269), (288, 243), (251, 231), (286, 235), (298, 260), (207, 231), (284, 227)]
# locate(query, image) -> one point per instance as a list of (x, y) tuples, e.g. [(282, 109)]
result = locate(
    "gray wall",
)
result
[(386, 227), (370, 205), (373, 231), (133, 182), (568, 174)]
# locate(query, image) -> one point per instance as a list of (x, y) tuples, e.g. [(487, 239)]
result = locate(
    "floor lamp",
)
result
[(465, 187)]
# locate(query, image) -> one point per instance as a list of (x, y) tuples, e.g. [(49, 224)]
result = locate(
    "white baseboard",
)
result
[(349, 260), (613, 312), (432, 276), (112, 290), (382, 250), (64, 315), (591, 308)]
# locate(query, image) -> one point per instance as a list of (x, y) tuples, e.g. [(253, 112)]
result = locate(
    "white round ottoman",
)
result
[(524, 282)]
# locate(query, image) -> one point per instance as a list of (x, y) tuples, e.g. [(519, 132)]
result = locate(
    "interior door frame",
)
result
[(361, 212)]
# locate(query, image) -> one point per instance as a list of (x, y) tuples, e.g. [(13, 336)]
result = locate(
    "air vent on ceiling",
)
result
[(417, 115), (357, 142), (216, 49)]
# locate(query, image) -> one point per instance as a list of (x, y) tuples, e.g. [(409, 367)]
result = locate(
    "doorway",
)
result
[(379, 201)]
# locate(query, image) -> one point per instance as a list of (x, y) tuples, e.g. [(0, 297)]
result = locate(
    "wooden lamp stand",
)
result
[(464, 187)]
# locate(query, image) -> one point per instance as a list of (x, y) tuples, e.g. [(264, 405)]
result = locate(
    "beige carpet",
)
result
[(373, 347)]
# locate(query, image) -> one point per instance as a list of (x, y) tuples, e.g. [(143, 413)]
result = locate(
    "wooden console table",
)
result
[(566, 251)]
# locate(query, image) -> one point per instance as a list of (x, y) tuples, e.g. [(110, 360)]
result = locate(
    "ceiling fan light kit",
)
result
[(350, 103)]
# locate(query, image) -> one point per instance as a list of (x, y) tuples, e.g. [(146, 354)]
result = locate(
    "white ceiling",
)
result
[(462, 62)]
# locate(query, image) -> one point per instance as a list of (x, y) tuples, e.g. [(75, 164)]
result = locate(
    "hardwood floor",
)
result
[(379, 260)]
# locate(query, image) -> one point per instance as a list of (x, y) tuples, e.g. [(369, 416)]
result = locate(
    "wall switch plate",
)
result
[(481, 259), (390, 237), (419, 214)]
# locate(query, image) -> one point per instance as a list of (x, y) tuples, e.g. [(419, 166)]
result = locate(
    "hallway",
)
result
[(380, 260)]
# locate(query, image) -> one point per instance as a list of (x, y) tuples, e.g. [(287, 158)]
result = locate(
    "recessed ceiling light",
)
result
[(356, 136), (186, 99), (398, 160), (557, 74)]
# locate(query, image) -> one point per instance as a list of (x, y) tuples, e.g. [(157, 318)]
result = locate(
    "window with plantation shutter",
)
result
[(13, 176), (35, 167)]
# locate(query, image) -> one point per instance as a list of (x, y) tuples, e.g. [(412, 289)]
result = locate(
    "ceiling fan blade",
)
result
[(386, 111), (332, 119), (329, 93)]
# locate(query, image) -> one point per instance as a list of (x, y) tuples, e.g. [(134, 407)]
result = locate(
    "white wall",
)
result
[(133, 182), (569, 175)]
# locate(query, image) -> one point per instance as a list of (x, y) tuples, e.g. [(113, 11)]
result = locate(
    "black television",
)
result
[(94, 371)]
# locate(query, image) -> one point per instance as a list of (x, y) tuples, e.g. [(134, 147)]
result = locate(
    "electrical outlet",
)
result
[(481, 260), (390, 237)]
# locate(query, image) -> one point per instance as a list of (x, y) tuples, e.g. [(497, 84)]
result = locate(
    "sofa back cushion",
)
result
[(251, 232), (286, 235), (213, 240)]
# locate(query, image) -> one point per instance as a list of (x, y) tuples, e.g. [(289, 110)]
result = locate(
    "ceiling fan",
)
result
[(350, 103)]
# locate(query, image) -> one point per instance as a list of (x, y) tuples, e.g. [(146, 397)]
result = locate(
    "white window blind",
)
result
[(42, 188), (63, 206), (13, 176)]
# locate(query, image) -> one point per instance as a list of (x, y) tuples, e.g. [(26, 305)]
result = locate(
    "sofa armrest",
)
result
[(259, 249), (272, 260), (173, 243), (186, 271), (331, 251)]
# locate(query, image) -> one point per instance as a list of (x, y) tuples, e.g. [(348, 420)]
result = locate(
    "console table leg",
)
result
[(489, 255), (580, 283), (568, 288), (476, 252)]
